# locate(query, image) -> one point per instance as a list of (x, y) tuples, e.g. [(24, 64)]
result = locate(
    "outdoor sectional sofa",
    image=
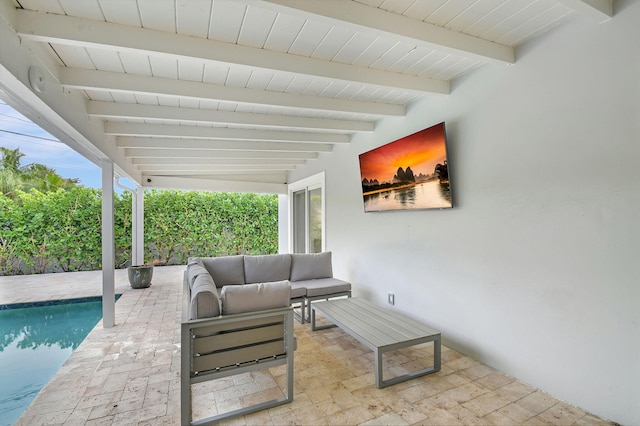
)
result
[(310, 275), (237, 316)]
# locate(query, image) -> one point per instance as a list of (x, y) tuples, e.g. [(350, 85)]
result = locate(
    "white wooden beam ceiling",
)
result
[(401, 27), (113, 110), (74, 78), (160, 131), (231, 95), (219, 145), (601, 10), (79, 32)]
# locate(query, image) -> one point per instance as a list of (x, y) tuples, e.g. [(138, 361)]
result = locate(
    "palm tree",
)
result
[(9, 182), (14, 177), (10, 174)]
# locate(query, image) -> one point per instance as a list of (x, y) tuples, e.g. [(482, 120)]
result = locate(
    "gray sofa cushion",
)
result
[(267, 268), (255, 297), (195, 268), (298, 289), (204, 298), (311, 266), (226, 270), (325, 286)]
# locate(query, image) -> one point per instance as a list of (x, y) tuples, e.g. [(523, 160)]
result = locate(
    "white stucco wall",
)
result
[(534, 271)]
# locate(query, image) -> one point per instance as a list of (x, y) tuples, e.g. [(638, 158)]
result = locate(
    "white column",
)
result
[(283, 223), (108, 247), (139, 227)]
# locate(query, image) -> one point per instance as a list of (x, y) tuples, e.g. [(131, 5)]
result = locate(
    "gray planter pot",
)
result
[(140, 276)]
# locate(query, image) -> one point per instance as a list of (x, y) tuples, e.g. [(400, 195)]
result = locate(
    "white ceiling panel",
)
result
[(160, 15), (43, 6), (89, 9), (420, 10), (447, 12), (308, 37), (256, 27), (173, 76), (329, 46), (545, 20), (121, 12), (163, 67), (367, 57), (105, 60), (226, 20), (357, 44), (190, 70), (284, 32), (193, 19), (135, 64), (469, 15), (73, 57), (393, 55)]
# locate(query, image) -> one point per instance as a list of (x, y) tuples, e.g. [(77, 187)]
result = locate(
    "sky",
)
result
[(421, 151), (16, 131)]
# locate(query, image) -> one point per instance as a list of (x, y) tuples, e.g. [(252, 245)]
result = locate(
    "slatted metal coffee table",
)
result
[(381, 330)]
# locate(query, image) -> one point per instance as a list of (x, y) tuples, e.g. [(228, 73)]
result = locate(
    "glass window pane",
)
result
[(315, 220), (299, 213)]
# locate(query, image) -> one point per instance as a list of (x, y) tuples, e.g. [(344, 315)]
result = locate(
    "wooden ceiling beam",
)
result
[(600, 10), (116, 110), (219, 133), (106, 81), (218, 145), (396, 26), (82, 32)]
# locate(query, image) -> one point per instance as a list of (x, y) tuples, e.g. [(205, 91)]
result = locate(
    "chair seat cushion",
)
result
[(298, 289), (325, 286), (237, 299)]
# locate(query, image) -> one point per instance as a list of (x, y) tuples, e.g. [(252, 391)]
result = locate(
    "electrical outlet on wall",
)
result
[(392, 299)]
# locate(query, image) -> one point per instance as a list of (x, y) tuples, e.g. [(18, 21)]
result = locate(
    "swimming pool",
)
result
[(35, 340)]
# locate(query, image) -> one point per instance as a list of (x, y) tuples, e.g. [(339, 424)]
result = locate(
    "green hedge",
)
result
[(61, 231)]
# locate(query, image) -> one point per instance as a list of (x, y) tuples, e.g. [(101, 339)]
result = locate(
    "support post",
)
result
[(139, 228), (108, 247), (137, 223)]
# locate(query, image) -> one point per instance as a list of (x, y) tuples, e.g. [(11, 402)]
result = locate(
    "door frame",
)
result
[(309, 183)]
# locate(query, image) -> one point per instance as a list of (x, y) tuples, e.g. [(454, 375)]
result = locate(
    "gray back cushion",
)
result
[(238, 299), (267, 268), (311, 266), (225, 270), (204, 298), (195, 268)]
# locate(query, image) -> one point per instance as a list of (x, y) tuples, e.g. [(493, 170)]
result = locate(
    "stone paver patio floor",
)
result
[(130, 374)]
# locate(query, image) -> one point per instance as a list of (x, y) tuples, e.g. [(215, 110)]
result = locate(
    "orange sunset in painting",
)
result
[(410, 173)]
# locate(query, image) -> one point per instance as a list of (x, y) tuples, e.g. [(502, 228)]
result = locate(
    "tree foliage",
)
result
[(15, 177), (61, 230)]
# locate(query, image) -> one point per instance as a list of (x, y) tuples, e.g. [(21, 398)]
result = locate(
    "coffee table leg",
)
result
[(437, 359), (437, 353), (315, 327), (377, 355)]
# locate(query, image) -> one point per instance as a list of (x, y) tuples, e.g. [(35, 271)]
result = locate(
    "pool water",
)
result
[(35, 340)]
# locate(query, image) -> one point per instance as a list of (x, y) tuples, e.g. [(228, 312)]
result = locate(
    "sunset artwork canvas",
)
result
[(409, 173)]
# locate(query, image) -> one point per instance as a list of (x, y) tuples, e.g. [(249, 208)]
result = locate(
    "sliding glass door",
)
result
[(307, 215)]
